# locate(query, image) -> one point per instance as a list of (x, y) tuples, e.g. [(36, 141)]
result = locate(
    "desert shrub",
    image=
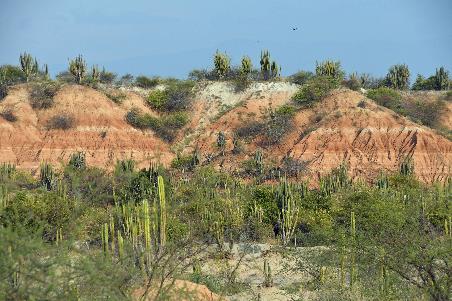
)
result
[(177, 96), (398, 77), (182, 162), (3, 91), (301, 77), (107, 77), (41, 95), (11, 75), (352, 82), (292, 167), (125, 80), (117, 96), (314, 90), (386, 97), (426, 113), (8, 114), (448, 96), (61, 121), (422, 83), (165, 127), (157, 99), (279, 122), (250, 129), (65, 77), (200, 75), (146, 82)]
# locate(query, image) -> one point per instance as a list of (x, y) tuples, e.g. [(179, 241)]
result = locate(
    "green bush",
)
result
[(448, 96), (301, 77), (386, 97), (65, 77), (146, 82), (315, 90), (117, 97), (157, 99), (11, 75)]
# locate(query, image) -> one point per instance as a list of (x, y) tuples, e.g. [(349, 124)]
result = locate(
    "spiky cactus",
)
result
[(47, 176), (95, 73), (246, 66), (221, 142), (383, 181), (105, 239), (329, 68), (222, 64), (407, 167), (275, 70), (265, 64), (398, 77), (28, 65), (259, 161), (46, 71), (162, 216), (289, 212), (77, 67), (268, 278), (442, 79)]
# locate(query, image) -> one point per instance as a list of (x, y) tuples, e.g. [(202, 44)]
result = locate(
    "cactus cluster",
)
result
[(259, 161), (246, 66), (269, 69), (398, 77), (442, 79), (407, 167), (78, 160), (29, 65), (337, 179), (95, 74), (47, 176), (77, 67), (222, 64), (383, 181), (329, 68), (7, 170), (221, 142), (289, 210)]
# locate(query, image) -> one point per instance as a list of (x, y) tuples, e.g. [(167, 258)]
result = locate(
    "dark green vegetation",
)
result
[(82, 233)]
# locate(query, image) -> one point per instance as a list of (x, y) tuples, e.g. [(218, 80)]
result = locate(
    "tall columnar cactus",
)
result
[(105, 240), (147, 225), (47, 176), (353, 235), (162, 215), (120, 245), (383, 181), (246, 66), (222, 64), (265, 64), (268, 278), (275, 70), (398, 77), (77, 67), (46, 71), (289, 211), (407, 167), (95, 73), (259, 161), (442, 79), (221, 142), (329, 68), (28, 65)]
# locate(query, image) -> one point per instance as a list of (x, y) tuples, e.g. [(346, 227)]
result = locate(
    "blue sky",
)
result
[(172, 37)]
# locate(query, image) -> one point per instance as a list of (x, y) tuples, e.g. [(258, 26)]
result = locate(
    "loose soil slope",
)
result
[(344, 127), (100, 130)]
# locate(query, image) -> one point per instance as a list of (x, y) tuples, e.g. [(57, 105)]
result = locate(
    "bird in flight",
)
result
[(294, 28)]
